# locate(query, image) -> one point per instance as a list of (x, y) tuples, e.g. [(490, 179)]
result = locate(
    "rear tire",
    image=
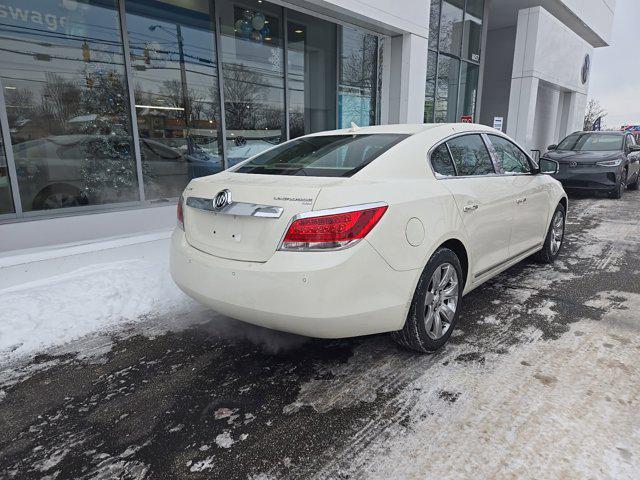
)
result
[(636, 184), (555, 237), (435, 306)]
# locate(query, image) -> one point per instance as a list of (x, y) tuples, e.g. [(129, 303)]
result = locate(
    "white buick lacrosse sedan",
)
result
[(366, 230)]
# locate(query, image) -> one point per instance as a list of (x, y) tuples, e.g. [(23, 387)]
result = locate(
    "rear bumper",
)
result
[(601, 178), (318, 294)]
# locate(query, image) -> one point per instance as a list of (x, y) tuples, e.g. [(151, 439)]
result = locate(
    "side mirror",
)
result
[(634, 148), (548, 167), (552, 147)]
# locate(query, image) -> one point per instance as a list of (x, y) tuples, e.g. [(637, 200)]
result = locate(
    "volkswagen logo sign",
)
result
[(573, 164), (222, 199), (586, 67)]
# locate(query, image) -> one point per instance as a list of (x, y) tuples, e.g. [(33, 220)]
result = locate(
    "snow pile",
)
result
[(54, 301)]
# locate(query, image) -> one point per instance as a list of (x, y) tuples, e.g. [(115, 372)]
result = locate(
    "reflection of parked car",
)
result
[(239, 148), (51, 176), (604, 161)]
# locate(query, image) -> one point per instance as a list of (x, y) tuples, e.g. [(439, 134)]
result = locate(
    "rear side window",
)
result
[(323, 156), (509, 155), (441, 161), (470, 156)]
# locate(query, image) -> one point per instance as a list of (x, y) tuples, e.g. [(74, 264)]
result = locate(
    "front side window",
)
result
[(470, 156), (630, 141), (510, 156), (592, 142), (322, 156)]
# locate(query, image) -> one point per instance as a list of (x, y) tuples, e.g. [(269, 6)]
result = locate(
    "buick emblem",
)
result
[(573, 164), (222, 199)]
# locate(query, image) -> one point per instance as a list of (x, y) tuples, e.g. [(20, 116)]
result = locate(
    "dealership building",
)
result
[(109, 107)]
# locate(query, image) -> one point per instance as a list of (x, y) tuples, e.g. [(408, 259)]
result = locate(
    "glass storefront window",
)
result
[(468, 89), (357, 77), (311, 74), (451, 22), (65, 83), (6, 200), (447, 89), (175, 78), (434, 24), (253, 73), (472, 30), (430, 89), (67, 104), (456, 31)]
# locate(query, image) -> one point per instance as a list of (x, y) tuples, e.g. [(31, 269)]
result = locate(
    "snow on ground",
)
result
[(568, 406), (53, 300)]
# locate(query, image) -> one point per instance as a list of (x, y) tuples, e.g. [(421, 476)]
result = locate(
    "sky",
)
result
[(615, 80)]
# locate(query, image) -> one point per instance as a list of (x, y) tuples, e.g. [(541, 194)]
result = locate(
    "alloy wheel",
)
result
[(441, 301), (557, 232)]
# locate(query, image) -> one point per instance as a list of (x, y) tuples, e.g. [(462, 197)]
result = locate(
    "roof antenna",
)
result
[(354, 127)]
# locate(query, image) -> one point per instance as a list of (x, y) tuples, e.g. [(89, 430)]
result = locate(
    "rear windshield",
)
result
[(323, 156), (592, 142)]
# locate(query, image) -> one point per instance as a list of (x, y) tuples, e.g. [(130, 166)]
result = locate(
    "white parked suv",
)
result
[(366, 230)]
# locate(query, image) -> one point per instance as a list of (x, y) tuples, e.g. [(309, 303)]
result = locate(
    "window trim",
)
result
[(481, 134)]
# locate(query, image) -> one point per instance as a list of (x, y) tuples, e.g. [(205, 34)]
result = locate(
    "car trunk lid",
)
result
[(244, 236)]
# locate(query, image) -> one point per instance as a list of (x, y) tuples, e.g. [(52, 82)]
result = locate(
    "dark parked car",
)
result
[(603, 161)]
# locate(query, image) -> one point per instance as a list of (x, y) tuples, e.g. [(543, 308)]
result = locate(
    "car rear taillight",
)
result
[(332, 229), (180, 214)]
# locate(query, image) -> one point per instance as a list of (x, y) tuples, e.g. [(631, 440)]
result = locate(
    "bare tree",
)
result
[(241, 97), (21, 104), (592, 113), (173, 91)]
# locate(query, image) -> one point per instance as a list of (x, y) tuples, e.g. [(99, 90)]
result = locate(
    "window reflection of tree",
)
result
[(471, 159), (358, 74)]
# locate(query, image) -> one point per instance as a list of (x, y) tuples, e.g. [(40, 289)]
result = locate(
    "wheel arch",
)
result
[(457, 247), (565, 203), (39, 197)]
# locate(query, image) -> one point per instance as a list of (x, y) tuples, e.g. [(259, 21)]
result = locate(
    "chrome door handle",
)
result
[(521, 200), (470, 208)]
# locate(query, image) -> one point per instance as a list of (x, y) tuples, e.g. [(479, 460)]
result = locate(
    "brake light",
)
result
[(332, 229), (180, 214)]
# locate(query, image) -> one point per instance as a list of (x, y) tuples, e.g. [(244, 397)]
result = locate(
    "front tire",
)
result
[(436, 304), (555, 237), (634, 185), (622, 185)]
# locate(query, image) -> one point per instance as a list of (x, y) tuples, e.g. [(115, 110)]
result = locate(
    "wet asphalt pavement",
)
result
[(199, 403)]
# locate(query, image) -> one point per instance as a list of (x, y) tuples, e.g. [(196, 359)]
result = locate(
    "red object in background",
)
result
[(466, 119)]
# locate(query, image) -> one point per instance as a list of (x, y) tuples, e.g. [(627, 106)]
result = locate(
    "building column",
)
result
[(407, 77), (522, 110), (577, 107)]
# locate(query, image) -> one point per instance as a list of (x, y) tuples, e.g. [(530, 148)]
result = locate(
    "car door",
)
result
[(483, 198), (633, 157), (530, 195)]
